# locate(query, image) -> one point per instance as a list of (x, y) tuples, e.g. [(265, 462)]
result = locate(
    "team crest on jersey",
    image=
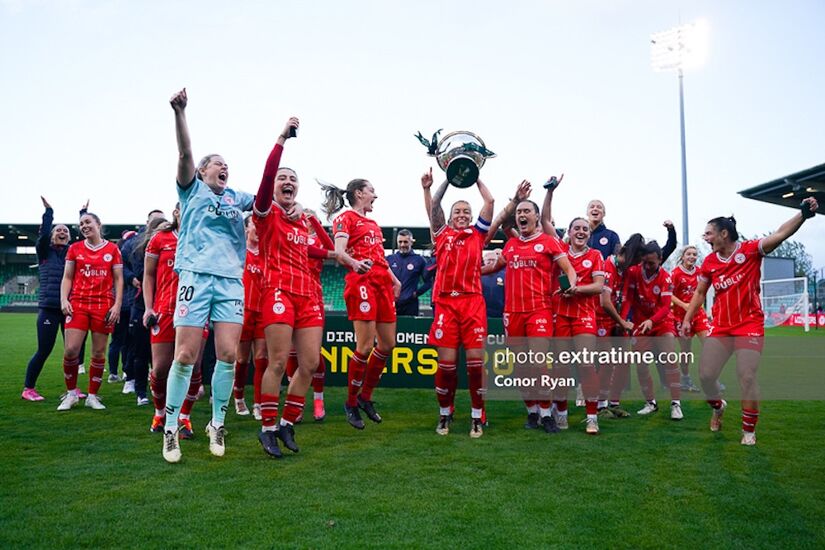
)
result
[(538, 247), (229, 200), (68, 319), (601, 332), (739, 258), (439, 333), (410, 267), (279, 308), (657, 290), (365, 307), (156, 330), (603, 241), (107, 257), (468, 231), (183, 311), (587, 263)]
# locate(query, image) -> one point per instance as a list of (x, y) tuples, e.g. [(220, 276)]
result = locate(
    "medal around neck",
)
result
[(460, 154)]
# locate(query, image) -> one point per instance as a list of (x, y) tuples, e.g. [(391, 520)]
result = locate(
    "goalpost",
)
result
[(782, 298)]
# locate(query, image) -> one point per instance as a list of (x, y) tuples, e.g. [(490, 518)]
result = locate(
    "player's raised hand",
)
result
[(523, 190), (668, 224), (427, 179), (85, 207), (178, 101), (45, 202), (813, 205), (291, 128)]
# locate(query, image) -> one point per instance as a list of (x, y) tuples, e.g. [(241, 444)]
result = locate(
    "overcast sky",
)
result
[(550, 86)]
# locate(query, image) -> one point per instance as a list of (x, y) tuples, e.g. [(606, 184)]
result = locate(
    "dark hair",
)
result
[(95, 217), (631, 251), (405, 233), (535, 206), (247, 220), (728, 224), (151, 228), (574, 220), (334, 196), (155, 211), (652, 247), (173, 225)]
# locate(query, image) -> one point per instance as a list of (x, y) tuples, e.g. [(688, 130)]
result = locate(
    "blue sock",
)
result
[(222, 380), (177, 384)]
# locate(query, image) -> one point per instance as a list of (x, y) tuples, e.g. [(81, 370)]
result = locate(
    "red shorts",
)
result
[(85, 319), (282, 307), (533, 324), (566, 327), (698, 324), (459, 321), (745, 336), (253, 327), (164, 331), (662, 328), (369, 297)]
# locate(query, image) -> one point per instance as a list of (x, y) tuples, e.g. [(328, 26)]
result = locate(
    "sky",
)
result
[(551, 86)]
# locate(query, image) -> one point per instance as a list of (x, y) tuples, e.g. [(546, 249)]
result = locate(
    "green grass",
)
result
[(96, 478)]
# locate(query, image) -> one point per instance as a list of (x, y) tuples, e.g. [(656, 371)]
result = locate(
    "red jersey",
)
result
[(613, 285), (735, 281), (458, 260), (366, 241), (93, 283), (283, 244), (684, 285), (587, 264), (647, 296), (528, 279), (252, 280), (316, 266), (162, 246)]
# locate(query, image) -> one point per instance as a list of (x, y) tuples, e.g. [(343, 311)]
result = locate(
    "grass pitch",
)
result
[(96, 478)]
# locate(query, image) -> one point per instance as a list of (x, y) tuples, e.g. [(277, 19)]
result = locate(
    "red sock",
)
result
[(192, 393), (375, 368), (591, 406), (475, 379), (70, 373), (241, 370), (319, 376), (544, 404), (158, 387), (293, 407), (355, 377), (561, 405), (443, 381), (530, 403), (269, 410), (715, 403), (291, 364), (96, 368), (260, 367), (749, 419)]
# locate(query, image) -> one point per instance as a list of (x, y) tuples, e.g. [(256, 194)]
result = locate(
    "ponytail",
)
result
[(334, 196), (728, 224)]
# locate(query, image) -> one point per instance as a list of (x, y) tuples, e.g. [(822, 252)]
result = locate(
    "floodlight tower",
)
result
[(677, 49)]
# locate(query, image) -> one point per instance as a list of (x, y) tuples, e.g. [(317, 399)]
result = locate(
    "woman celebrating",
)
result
[(735, 270), (90, 296), (291, 314), (647, 292), (52, 245), (528, 283), (209, 263), (370, 289), (685, 279), (461, 315)]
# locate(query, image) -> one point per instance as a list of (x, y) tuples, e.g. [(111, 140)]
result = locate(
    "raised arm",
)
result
[(426, 185), (670, 245), (186, 162), (437, 221), (44, 236), (486, 212), (522, 193), (772, 241), (547, 206), (263, 199)]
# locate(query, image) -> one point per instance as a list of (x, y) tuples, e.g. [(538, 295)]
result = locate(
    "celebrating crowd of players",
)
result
[(256, 282)]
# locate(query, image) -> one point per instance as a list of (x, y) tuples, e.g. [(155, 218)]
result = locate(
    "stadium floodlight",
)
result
[(678, 49)]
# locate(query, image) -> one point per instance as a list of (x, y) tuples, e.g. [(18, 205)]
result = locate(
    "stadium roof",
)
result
[(791, 189)]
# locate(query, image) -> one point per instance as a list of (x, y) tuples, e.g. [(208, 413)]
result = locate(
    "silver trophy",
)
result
[(460, 154)]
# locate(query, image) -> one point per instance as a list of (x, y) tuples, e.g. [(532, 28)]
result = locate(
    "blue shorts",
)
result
[(202, 297)]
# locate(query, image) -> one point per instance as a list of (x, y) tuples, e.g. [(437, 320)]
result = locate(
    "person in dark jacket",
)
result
[(118, 347), (139, 348), (604, 240), (409, 268), (52, 245)]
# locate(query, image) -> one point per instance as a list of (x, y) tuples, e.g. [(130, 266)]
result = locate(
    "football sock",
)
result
[(375, 368), (355, 377), (222, 378), (176, 387)]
